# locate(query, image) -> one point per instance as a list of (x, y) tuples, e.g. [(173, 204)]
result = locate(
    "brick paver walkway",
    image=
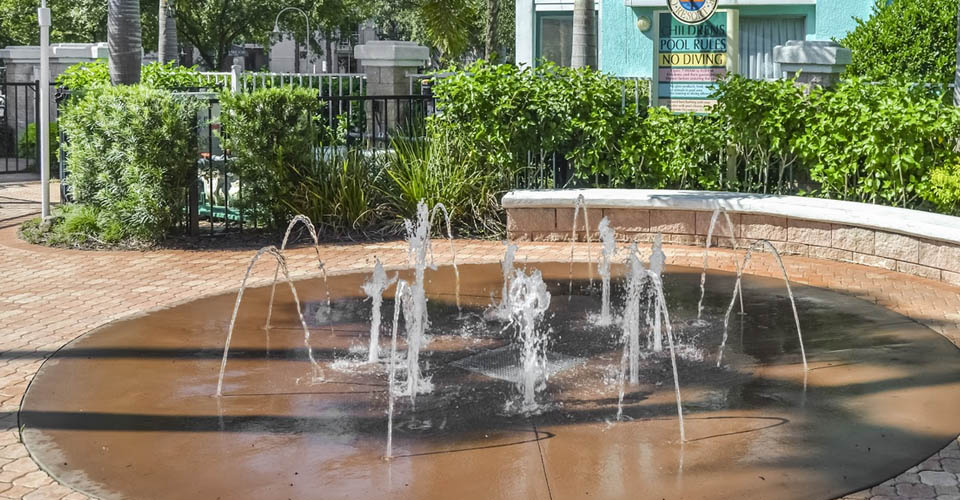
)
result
[(49, 297)]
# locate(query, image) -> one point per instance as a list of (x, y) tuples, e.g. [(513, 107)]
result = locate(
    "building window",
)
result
[(555, 37), (758, 37)]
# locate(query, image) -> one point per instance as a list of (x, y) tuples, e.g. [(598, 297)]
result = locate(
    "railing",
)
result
[(374, 121), (331, 84), (19, 116)]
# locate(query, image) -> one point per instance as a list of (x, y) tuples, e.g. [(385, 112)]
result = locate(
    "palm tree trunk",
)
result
[(167, 39), (584, 53), (956, 78), (123, 41), (490, 32)]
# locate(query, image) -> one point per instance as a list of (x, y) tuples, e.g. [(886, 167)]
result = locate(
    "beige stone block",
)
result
[(684, 239), (897, 246), (950, 277), (941, 255), (764, 227), (918, 270), (792, 248), (831, 254), (673, 221), (809, 232), (564, 222), (531, 219), (874, 261), (628, 220), (722, 228), (855, 239)]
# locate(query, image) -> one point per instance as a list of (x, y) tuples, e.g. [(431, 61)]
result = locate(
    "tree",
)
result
[(76, 21), (909, 40), (956, 76), (124, 41), (584, 50), (166, 34), (490, 31)]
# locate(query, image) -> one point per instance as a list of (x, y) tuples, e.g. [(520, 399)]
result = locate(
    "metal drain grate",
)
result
[(504, 363)]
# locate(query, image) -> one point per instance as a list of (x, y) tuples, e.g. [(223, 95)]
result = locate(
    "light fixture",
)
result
[(643, 23)]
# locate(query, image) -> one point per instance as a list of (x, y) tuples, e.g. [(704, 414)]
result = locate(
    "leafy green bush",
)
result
[(907, 40), (27, 145), (443, 169), (83, 76), (271, 133), (74, 226), (342, 193), (129, 156), (762, 120), (667, 150), (503, 113), (877, 143)]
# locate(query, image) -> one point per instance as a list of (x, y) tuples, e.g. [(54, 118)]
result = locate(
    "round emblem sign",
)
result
[(692, 11)]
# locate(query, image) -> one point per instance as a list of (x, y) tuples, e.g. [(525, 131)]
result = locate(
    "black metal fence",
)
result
[(19, 119)]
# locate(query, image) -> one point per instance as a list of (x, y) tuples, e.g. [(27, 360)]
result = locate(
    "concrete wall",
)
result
[(907, 241)]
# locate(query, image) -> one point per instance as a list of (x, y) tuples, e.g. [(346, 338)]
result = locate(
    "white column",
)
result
[(43, 16), (525, 32)]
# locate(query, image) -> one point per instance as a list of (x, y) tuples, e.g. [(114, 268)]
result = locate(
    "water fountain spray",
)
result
[(453, 247), (636, 282), (706, 253), (374, 288), (401, 296), (502, 310), (580, 203), (737, 292), (298, 219), (418, 239), (282, 264), (658, 261), (608, 238), (529, 300)]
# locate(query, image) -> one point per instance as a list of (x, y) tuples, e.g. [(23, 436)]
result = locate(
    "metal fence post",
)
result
[(235, 73)]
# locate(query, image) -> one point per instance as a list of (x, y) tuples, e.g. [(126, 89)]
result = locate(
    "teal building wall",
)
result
[(627, 51)]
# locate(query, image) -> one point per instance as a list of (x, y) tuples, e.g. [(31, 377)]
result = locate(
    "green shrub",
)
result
[(444, 170), (129, 156), (877, 143), (907, 40), (27, 144), (271, 134), (75, 226), (943, 190), (342, 193), (503, 114), (668, 150), (83, 76), (762, 120)]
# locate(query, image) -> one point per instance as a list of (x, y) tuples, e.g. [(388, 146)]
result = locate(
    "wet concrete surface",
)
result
[(128, 411)]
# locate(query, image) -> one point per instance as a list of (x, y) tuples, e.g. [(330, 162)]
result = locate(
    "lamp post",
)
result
[(276, 29), (43, 18)]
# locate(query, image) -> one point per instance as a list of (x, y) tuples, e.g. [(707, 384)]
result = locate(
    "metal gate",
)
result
[(19, 116)]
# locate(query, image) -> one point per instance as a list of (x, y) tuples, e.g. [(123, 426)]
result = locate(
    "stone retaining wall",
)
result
[(911, 254)]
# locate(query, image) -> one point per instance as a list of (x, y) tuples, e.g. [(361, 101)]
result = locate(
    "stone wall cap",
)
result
[(896, 220), (812, 52), (391, 53)]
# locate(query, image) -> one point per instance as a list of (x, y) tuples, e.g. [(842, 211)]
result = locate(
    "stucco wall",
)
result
[(626, 51)]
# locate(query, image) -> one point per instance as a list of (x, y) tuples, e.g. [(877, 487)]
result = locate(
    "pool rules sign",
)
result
[(695, 46)]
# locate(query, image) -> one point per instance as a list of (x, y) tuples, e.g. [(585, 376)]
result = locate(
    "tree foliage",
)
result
[(79, 21), (908, 40)]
